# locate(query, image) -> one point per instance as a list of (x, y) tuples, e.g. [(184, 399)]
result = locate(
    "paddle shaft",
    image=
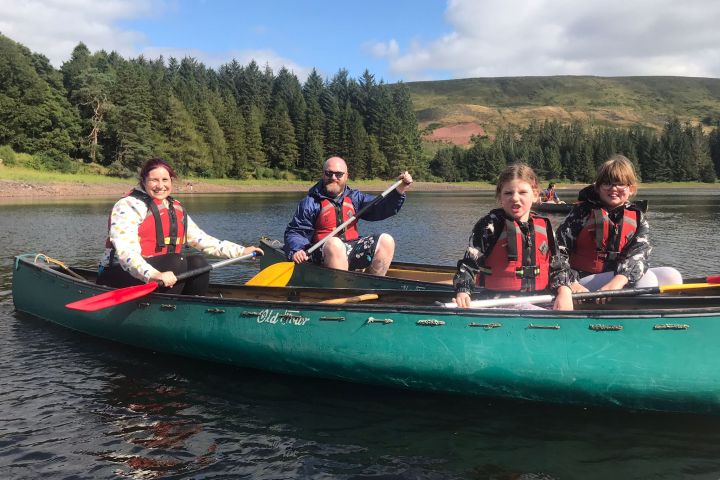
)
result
[(355, 217), (212, 266), (626, 292)]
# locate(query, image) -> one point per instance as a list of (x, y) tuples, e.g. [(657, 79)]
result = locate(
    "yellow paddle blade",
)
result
[(687, 286), (276, 275)]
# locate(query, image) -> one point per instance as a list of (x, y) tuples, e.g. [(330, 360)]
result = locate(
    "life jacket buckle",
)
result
[(527, 271), (608, 256)]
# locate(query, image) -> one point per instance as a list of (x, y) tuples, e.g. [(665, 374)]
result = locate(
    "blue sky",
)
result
[(395, 39)]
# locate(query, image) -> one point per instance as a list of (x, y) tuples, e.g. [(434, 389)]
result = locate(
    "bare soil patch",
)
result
[(459, 134)]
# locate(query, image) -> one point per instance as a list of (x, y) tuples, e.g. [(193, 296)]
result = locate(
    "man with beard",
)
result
[(329, 203)]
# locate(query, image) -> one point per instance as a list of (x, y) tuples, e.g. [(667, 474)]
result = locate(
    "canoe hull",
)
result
[(620, 360)]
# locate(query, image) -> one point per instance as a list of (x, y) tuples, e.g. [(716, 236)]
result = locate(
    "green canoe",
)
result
[(655, 352), (400, 276)]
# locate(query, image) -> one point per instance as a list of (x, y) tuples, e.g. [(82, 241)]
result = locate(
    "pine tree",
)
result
[(253, 139), (443, 165), (714, 146), (358, 156), (215, 141), (233, 125), (130, 122), (187, 150), (286, 87), (312, 154), (331, 111), (279, 140)]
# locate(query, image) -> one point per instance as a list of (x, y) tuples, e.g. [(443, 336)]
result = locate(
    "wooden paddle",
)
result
[(278, 274), (356, 298), (122, 295), (625, 292)]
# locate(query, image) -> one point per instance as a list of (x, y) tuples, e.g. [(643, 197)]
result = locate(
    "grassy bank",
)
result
[(23, 182)]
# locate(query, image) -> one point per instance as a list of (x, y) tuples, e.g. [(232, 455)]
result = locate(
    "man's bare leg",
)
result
[(384, 253), (334, 254)]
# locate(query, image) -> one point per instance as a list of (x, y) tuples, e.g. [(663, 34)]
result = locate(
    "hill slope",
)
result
[(618, 101)]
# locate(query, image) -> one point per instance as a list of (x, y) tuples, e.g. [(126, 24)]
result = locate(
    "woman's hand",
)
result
[(463, 300), (168, 278), (577, 288), (249, 250)]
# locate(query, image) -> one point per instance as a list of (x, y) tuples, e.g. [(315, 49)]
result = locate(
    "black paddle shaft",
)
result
[(628, 292), (207, 268)]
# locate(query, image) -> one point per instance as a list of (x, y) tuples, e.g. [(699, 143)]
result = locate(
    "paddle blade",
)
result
[(713, 279), (276, 275), (112, 298)]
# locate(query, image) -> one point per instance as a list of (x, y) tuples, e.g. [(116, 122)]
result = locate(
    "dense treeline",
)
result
[(238, 121), (244, 121), (573, 152)]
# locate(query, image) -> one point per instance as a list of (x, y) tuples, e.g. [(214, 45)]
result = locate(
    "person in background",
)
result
[(329, 203), (607, 238), (147, 231), (512, 248), (550, 194)]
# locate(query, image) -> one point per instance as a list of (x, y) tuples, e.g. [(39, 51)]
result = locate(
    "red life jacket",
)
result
[(510, 267), (549, 195), (331, 216), (601, 240), (164, 229)]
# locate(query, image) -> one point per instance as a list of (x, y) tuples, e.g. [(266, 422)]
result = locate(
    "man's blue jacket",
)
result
[(300, 230)]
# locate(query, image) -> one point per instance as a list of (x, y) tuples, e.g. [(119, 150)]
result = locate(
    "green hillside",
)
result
[(620, 101)]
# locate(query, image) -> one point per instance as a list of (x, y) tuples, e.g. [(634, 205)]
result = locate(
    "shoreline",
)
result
[(28, 190), (23, 190)]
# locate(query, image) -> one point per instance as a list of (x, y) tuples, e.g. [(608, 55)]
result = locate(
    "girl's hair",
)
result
[(151, 165), (618, 169), (517, 171)]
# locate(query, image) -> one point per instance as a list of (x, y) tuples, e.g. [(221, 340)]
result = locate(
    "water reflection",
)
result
[(159, 434)]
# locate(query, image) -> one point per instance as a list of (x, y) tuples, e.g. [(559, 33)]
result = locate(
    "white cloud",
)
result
[(55, 27), (552, 37), (383, 49)]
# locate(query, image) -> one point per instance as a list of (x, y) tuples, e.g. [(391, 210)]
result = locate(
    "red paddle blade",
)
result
[(713, 279), (112, 298)]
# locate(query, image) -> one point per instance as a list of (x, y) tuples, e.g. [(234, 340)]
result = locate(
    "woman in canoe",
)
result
[(607, 238), (512, 248), (147, 231)]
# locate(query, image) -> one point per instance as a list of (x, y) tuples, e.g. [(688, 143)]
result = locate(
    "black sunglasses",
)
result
[(330, 173)]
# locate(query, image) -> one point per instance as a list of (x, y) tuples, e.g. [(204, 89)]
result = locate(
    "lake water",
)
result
[(72, 406)]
